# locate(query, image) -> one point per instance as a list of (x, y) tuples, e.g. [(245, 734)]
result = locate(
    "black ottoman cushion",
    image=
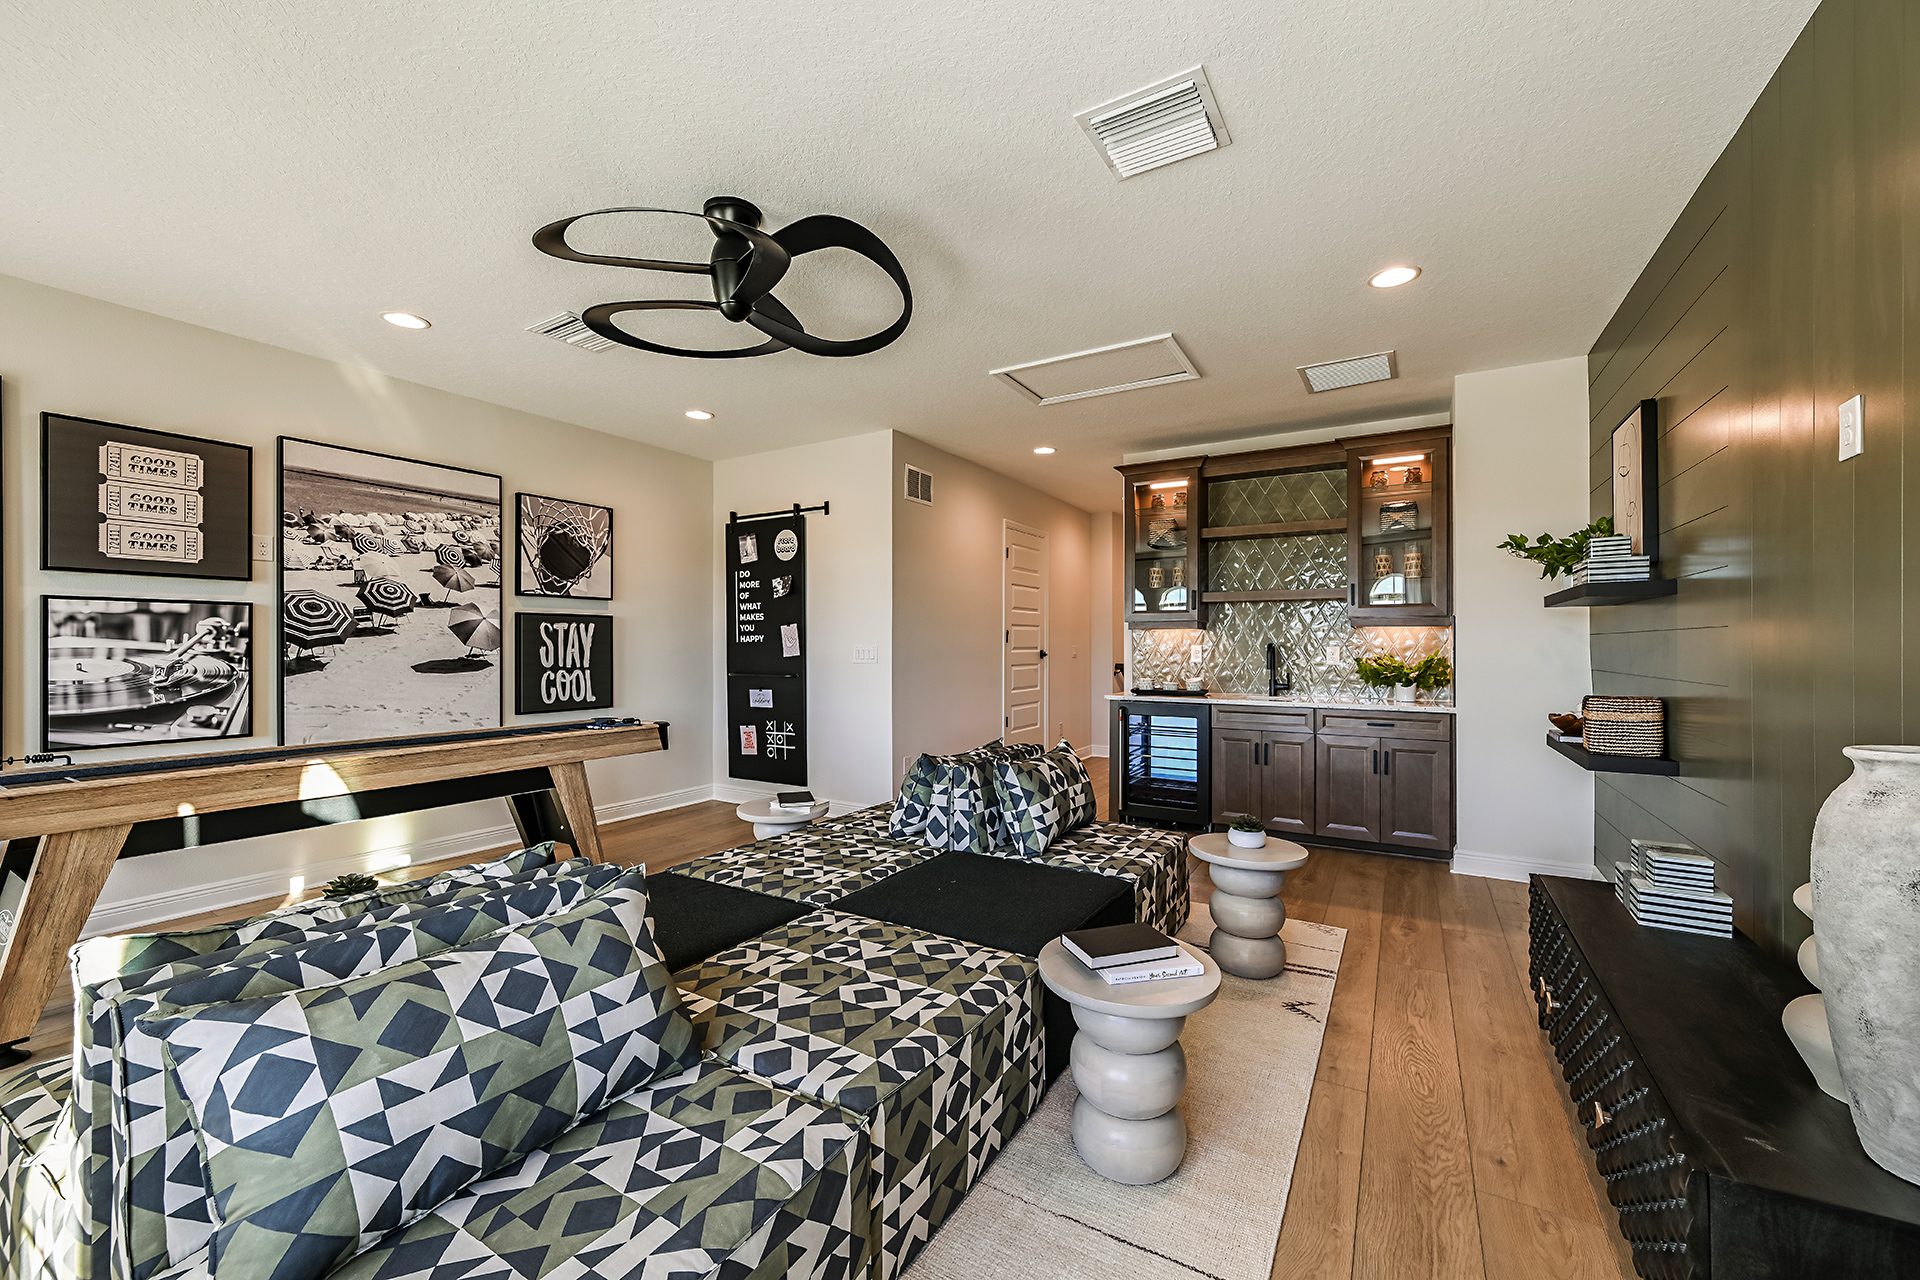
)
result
[(1013, 905), (694, 920)]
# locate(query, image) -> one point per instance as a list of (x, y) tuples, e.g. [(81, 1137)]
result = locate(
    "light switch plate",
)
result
[(1853, 427), (865, 653)]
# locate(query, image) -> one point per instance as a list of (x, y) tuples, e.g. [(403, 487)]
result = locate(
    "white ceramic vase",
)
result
[(1405, 693), (1866, 903)]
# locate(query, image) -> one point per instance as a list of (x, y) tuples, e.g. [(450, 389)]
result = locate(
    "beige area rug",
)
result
[(1040, 1214)]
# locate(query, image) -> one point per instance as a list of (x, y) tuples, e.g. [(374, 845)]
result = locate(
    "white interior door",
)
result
[(1024, 619)]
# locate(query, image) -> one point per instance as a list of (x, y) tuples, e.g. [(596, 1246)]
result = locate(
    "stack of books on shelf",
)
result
[(1671, 886), (1610, 558), (791, 802), (1128, 953)]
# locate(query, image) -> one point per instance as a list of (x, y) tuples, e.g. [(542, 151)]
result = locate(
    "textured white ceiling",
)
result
[(288, 170)]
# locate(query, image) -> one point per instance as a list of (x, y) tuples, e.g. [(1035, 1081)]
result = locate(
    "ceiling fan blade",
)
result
[(767, 261), (829, 231), (599, 318)]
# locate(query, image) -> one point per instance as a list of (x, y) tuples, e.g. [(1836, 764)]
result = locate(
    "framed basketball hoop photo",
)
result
[(565, 548)]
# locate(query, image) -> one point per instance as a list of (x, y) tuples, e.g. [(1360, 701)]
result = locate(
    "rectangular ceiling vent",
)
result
[(1124, 366), (1173, 120), (570, 329), (1356, 372), (919, 485)]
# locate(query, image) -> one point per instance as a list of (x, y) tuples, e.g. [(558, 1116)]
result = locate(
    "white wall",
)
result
[(1108, 580), (64, 353), (948, 635), (1519, 466), (849, 604)]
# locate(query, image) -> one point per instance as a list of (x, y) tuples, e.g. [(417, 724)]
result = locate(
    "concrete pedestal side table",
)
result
[(1128, 1064), (769, 822), (1246, 906)]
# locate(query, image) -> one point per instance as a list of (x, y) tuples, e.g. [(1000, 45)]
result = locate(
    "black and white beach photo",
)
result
[(132, 672), (390, 595)]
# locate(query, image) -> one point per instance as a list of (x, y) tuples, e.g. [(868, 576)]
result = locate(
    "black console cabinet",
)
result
[(1720, 1154)]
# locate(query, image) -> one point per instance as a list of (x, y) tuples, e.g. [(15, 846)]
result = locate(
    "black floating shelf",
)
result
[(1614, 764), (1599, 593)]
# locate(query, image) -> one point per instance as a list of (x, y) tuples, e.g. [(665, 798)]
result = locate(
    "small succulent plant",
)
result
[(1247, 822), (350, 885)]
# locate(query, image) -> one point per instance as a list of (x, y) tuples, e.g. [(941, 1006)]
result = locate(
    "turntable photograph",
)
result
[(124, 672)]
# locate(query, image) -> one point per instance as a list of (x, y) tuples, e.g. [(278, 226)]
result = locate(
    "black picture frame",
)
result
[(531, 669), (523, 553), (1643, 485), (69, 541), (280, 585), (119, 729)]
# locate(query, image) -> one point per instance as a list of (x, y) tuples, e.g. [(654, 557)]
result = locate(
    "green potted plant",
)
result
[(1247, 832), (350, 885), (1556, 556), (1387, 672), (1432, 672)]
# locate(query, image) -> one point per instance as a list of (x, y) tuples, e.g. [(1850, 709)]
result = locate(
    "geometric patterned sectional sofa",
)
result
[(871, 1030)]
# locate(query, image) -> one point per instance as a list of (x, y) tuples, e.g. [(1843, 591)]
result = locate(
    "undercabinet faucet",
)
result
[(1278, 682)]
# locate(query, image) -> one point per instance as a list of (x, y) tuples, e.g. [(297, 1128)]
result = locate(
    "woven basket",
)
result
[(1624, 726)]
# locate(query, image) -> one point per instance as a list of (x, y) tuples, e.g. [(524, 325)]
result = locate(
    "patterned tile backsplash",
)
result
[(1301, 495), (1316, 644)]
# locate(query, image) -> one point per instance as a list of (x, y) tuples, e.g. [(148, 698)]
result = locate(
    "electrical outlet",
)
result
[(866, 653), (263, 548), (1853, 428)]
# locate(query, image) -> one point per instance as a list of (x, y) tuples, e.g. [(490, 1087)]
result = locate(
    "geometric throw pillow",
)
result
[(333, 1115), (915, 805), (160, 1213), (1043, 799), (963, 811), (105, 966)]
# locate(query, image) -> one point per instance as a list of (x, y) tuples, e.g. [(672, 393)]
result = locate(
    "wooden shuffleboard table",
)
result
[(79, 820)]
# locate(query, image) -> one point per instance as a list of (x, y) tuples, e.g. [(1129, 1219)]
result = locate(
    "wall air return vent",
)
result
[(568, 328), (1359, 371), (919, 485), (1124, 366), (1158, 125)]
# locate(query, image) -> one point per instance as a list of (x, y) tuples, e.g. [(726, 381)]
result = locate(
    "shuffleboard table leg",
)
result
[(69, 870), (576, 803)]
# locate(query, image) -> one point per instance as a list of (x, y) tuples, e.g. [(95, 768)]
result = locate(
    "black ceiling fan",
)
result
[(745, 266)]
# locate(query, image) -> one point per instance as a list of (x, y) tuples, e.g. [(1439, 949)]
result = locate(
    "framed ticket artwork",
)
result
[(120, 499)]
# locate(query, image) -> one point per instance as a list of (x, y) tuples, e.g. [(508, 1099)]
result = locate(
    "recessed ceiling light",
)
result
[(1394, 277), (1043, 450), (406, 320), (699, 415)]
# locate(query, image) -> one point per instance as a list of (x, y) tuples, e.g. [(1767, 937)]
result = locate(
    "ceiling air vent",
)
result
[(919, 485), (570, 329), (1358, 371), (1158, 125), (1124, 366)]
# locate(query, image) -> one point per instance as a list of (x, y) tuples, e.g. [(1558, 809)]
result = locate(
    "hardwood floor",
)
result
[(1437, 1142)]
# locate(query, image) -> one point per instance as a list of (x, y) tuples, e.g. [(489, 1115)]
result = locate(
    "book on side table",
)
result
[(1128, 953), (792, 802)]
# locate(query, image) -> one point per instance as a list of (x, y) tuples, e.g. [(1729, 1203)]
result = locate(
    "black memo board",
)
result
[(766, 566)]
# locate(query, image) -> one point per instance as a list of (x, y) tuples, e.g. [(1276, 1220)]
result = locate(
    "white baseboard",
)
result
[(1097, 749), (132, 913), (1506, 866)]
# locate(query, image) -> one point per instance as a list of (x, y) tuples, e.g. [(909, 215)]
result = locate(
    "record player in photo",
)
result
[(126, 672)]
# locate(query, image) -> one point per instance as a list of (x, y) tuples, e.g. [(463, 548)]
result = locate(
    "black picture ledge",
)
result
[(1614, 764), (1599, 593)]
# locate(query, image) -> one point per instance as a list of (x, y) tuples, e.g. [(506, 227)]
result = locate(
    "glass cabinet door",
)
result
[(1397, 543), (1163, 525)]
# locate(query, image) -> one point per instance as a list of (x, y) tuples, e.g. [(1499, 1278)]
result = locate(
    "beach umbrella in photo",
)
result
[(453, 579), (297, 556), (373, 542), (412, 542), (389, 597), (451, 556), (480, 632), (310, 619)]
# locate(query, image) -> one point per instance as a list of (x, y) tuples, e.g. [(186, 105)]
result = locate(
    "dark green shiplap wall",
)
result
[(1790, 283)]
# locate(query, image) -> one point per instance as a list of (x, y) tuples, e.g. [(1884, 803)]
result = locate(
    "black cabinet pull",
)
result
[(1353, 593), (1266, 753), (1376, 760), (1381, 724), (1386, 761), (1256, 753)]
